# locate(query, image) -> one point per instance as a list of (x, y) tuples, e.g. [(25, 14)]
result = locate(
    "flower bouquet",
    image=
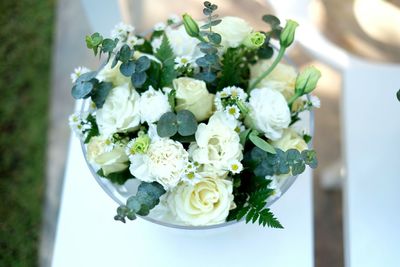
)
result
[(198, 122)]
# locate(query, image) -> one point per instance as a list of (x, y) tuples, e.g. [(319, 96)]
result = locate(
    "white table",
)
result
[(87, 235)]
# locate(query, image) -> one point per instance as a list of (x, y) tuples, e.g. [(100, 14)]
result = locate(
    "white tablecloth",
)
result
[(88, 236)]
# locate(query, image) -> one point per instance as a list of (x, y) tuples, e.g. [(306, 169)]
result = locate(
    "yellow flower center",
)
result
[(235, 167), (232, 111)]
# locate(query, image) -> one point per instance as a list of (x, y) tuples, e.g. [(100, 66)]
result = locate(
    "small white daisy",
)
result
[(160, 26), (232, 110), (239, 93), (74, 119), (183, 61), (174, 19), (239, 127), (226, 92), (129, 148), (191, 178), (315, 101), (133, 40), (122, 31), (109, 144), (156, 43), (78, 72), (235, 167)]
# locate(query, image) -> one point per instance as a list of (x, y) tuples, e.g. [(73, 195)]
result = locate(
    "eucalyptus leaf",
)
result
[(187, 124), (211, 24), (167, 125), (138, 79), (86, 77), (273, 21), (125, 53), (142, 64), (108, 45), (261, 143), (100, 93), (215, 38), (127, 68), (81, 90)]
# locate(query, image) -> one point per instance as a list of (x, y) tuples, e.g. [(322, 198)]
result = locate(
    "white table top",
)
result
[(87, 234)]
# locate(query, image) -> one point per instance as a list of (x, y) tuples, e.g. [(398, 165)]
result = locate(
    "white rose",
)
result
[(290, 140), (153, 104), (192, 94), (269, 112), (217, 145), (113, 75), (165, 162), (233, 31), (109, 160), (205, 203), (282, 78), (120, 111)]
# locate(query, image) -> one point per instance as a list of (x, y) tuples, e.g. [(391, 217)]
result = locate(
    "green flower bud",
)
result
[(191, 26), (307, 80), (254, 40), (141, 144), (287, 34)]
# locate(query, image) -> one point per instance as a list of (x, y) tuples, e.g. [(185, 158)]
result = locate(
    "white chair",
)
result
[(87, 235), (371, 130)]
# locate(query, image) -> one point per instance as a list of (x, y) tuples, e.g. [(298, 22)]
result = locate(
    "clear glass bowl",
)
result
[(121, 193)]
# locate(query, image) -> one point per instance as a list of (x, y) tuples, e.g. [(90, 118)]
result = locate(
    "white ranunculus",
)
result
[(217, 145), (165, 162), (192, 94), (233, 31), (120, 112), (109, 159), (153, 104), (269, 112), (290, 140), (282, 78), (113, 75), (205, 203)]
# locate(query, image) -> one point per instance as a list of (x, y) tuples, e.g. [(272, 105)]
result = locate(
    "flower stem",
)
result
[(281, 53)]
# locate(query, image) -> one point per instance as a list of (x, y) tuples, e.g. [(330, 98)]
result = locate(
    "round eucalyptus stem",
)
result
[(281, 53)]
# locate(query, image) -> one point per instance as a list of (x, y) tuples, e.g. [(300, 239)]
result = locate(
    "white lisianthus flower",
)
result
[(233, 31), (109, 157), (192, 94), (113, 75), (290, 140), (269, 112), (165, 162), (153, 104), (217, 145), (206, 202), (182, 44), (282, 78), (78, 72), (120, 112)]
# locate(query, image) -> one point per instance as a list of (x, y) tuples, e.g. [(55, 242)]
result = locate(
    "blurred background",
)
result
[(41, 41)]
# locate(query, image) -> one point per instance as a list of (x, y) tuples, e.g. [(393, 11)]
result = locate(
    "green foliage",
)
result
[(307, 138), (234, 68), (282, 162), (260, 143), (398, 95), (183, 122), (88, 86), (171, 99), (117, 177), (166, 55), (94, 129), (100, 93), (146, 198), (253, 209), (275, 25), (97, 43), (26, 50), (210, 42)]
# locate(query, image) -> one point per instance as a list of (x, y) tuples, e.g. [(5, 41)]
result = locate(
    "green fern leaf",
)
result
[(167, 57)]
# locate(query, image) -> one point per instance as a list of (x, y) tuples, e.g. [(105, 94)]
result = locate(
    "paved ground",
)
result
[(336, 19)]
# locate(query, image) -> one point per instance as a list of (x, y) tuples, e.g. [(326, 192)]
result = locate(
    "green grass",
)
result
[(25, 56)]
